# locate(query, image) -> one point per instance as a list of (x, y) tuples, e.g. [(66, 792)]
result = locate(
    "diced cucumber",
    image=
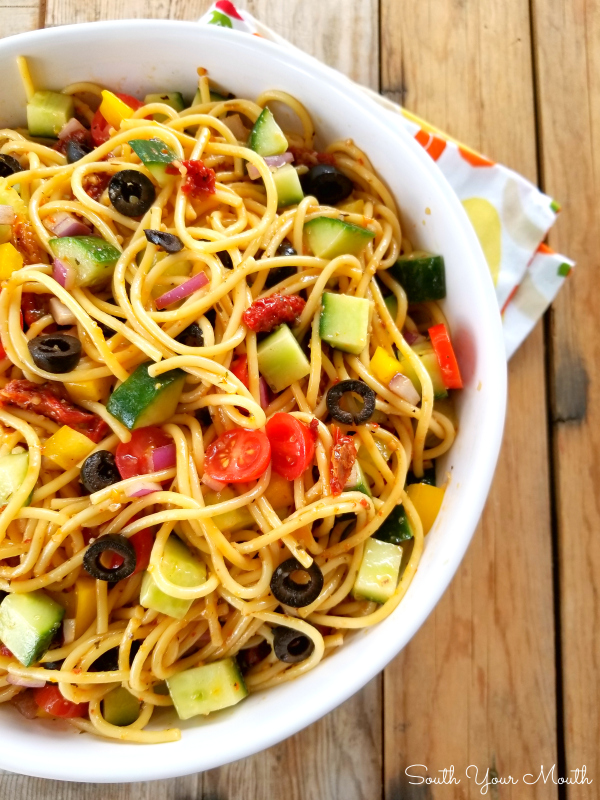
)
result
[(156, 155), (205, 689), (428, 477), (396, 528), (141, 400), (423, 277), (287, 183), (92, 258), (215, 97), (432, 366), (266, 137), (179, 566), (173, 99), (120, 707), (357, 481), (13, 469), (48, 112), (231, 521), (281, 360), (329, 237), (344, 322), (377, 576), (28, 623), (392, 305)]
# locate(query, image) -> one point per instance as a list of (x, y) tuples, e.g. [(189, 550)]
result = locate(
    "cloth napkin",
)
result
[(510, 215)]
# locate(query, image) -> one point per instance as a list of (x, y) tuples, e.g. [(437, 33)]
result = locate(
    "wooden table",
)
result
[(505, 673)]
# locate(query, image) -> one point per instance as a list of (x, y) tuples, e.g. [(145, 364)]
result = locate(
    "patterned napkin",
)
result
[(510, 215)]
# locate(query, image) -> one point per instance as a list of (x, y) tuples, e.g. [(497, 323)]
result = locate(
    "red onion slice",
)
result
[(263, 390), (271, 162), (164, 457), (7, 215), (25, 704), (403, 387), (63, 224), (71, 127), (141, 488), (237, 127), (63, 273), (28, 683), (62, 314), (412, 337), (182, 291), (216, 486)]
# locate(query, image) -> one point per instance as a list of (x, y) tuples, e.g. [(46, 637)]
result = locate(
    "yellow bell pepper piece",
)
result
[(427, 501), (384, 366), (280, 492), (353, 206), (79, 603), (114, 110), (93, 391), (67, 447), (10, 260)]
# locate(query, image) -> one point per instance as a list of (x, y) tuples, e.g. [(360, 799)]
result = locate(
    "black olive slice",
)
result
[(284, 248), (131, 192), (291, 646), (335, 393), (327, 184), (55, 352), (191, 336), (168, 241), (291, 593), (109, 661), (225, 259), (99, 471), (278, 274), (8, 166), (113, 543), (76, 151), (52, 664)]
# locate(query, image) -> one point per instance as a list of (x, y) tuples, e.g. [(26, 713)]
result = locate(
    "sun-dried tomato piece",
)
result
[(45, 399), (198, 179), (95, 183), (309, 158), (24, 238), (269, 312), (81, 137), (34, 307), (343, 456)]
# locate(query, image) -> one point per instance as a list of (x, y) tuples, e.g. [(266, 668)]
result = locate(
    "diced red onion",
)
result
[(70, 127), (141, 488), (68, 631), (182, 291), (413, 337), (263, 390), (63, 273), (28, 683), (64, 224), (403, 387), (7, 215), (237, 127), (62, 314), (353, 478), (216, 486), (271, 162), (164, 457)]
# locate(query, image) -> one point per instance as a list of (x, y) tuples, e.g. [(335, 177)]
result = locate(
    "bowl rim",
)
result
[(182, 760)]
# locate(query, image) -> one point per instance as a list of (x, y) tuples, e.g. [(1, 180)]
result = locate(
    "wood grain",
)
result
[(476, 685), (568, 75)]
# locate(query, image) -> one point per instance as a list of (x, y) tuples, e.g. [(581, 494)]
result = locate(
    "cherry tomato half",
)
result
[(100, 127), (135, 457), (51, 700), (292, 445), (237, 456), (239, 367)]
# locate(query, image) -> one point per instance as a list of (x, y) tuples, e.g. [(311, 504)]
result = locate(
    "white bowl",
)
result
[(139, 56)]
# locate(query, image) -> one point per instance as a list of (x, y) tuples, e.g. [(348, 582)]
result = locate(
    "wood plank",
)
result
[(568, 69), (18, 16), (476, 685)]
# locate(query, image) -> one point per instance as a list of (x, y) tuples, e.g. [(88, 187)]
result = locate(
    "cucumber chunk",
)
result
[(156, 155), (329, 237), (287, 183), (120, 707), (48, 112), (432, 366), (392, 305), (231, 521), (396, 529), (179, 566), (205, 689), (215, 97), (141, 400), (173, 99), (28, 623), (357, 481), (92, 258), (422, 276), (377, 576), (281, 360), (344, 322), (13, 469), (266, 137)]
